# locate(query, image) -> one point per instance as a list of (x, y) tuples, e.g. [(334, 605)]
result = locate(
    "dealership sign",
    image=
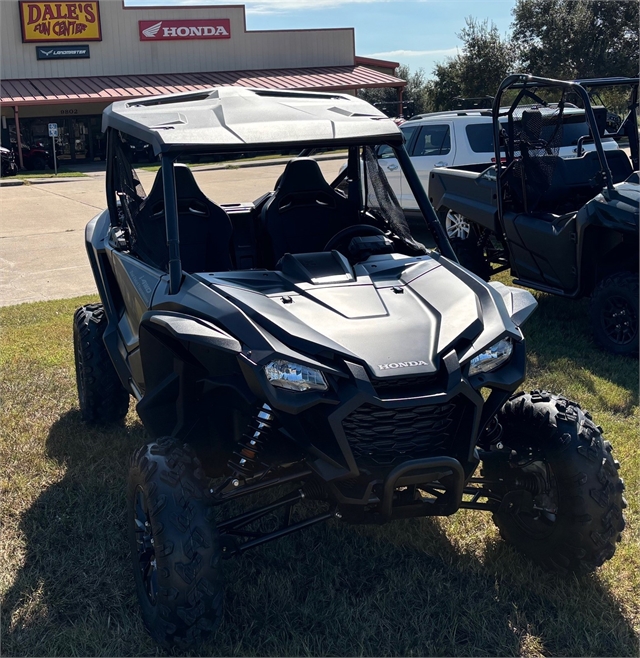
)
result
[(60, 21), (165, 30), (62, 52)]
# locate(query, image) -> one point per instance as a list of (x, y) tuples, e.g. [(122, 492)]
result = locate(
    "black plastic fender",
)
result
[(184, 359), (193, 330), (520, 303), (467, 192)]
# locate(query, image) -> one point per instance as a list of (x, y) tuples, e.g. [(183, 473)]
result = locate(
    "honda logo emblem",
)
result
[(173, 30)]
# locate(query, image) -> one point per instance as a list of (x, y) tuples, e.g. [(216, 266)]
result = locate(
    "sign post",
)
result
[(53, 133)]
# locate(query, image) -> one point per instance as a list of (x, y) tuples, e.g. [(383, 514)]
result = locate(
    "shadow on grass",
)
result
[(401, 589), (69, 598)]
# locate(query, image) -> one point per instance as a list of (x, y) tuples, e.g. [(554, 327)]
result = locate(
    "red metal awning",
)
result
[(117, 87)]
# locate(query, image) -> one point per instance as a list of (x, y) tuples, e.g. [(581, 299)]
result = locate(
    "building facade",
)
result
[(64, 62)]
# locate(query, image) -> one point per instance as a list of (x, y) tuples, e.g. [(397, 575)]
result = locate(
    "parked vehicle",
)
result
[(37, 157), (612, 121), (448, 139), (140, 151), (566, 226), (399, 111), (9, 167), (477, 103), (306, 343)]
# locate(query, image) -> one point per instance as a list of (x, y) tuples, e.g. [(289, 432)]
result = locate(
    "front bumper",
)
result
[(361, 430)]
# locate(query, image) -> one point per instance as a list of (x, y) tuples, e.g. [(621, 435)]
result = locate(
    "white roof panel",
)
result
[(235, 117)]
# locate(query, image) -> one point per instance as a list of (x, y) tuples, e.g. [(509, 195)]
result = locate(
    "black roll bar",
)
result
[(429, 214), (111, 193), (171, 218), (524, 82)]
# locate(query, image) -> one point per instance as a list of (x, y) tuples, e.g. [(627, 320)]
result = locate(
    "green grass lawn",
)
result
[(437, 587), (49, 173), (235, 164)]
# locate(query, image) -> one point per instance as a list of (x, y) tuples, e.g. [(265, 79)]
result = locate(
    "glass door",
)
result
[(97, 141), (63, 141), (80, 139)]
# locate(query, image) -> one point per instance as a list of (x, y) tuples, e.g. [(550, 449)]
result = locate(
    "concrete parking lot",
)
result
[(42, 253)]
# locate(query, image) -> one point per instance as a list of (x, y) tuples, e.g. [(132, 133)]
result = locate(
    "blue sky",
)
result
[(414, 32)]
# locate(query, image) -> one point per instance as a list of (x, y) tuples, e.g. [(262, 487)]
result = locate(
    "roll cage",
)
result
[(508, 146), (202, 125)]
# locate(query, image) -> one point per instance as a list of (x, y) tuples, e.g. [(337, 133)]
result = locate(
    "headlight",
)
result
[(491, 358), (295, 377)]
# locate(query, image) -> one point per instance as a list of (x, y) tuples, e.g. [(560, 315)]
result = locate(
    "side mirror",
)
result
[(383, 151)]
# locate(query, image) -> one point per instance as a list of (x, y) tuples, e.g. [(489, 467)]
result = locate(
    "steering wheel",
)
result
[(345, 234)]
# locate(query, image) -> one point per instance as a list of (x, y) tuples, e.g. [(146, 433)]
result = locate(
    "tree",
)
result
[(447, 83), (484, 61), (577, 39), (416, 93)]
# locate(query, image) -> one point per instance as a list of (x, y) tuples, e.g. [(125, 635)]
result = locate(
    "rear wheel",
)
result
[(614, 313), (174, 546), (471, 256), (465, 242), (455, 224), (561, 493), (102, 397)]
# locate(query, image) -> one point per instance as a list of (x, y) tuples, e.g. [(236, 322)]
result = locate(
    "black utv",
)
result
[(304, 354), (564, 225)]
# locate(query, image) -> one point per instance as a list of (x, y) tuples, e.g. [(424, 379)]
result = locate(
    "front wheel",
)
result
[(614, 313), (175, 546), (561, 492), (38, 163)]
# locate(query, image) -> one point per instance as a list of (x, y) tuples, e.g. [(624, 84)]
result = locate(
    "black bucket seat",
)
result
[(304, 211), (204, 227)]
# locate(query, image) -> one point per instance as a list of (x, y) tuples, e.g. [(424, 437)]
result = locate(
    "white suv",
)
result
[(464, 137)]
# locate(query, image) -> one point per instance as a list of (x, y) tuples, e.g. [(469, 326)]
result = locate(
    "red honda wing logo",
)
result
[(214, 28)]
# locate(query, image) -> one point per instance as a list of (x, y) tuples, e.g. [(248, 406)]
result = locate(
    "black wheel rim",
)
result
[(619, 320), (538, 524), (146, 554)]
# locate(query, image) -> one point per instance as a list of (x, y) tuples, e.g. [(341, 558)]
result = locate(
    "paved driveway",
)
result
[(42, 253)]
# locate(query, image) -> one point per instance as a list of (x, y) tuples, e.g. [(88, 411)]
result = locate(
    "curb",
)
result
[(205, 167), (263, 163), (14, 182), (44, 181)]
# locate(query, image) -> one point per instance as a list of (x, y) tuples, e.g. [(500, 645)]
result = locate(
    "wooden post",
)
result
[(18, 136)]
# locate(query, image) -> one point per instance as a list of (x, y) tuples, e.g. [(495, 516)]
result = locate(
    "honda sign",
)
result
[(175, 30)]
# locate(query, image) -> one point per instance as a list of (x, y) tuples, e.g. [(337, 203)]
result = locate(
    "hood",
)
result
[(397, 315)]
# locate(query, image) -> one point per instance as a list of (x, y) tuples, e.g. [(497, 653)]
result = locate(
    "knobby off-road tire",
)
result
[(614, 313), (589, 518), (101, 395), (175, 546)]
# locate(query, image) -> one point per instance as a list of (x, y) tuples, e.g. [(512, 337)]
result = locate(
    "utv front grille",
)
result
[(385, 437), (403, 387)]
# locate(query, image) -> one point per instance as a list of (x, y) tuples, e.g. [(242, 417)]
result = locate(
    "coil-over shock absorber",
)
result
[(245, 461), (534, 483), (492, 434)]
